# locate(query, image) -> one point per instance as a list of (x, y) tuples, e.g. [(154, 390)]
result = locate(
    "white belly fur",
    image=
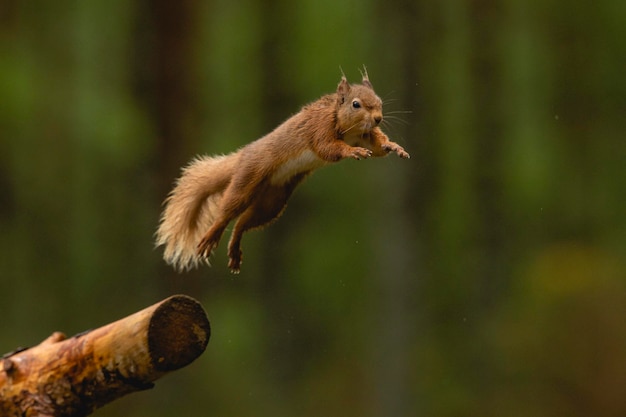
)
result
[(306, 161)]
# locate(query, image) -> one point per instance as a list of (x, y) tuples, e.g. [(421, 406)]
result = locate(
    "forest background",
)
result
[(485, 276)]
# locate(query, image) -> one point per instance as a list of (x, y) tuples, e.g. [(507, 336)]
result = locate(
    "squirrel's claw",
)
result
[(403, 154), (205, 247), (399, 150), (233, 270), (234, 262), (359, 153)]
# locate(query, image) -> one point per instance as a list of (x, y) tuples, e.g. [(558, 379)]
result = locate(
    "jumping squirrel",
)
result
[(253, 184)]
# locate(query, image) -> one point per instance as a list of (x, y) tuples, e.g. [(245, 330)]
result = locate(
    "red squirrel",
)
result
[(253, 184)]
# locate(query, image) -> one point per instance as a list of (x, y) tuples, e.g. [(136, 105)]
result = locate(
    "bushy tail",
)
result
[(191, 208)]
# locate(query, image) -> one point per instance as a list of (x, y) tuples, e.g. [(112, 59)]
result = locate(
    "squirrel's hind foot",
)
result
[(206, 247), (235, 258)]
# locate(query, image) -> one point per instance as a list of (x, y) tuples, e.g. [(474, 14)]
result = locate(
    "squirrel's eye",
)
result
[(356, 104)]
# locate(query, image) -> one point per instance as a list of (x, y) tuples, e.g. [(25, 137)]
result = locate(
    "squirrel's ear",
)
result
[(366, 80), (343, 89)]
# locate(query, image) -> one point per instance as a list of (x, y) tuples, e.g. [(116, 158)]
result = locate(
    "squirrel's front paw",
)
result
[(359, 153), (402, 153), (394, 147)]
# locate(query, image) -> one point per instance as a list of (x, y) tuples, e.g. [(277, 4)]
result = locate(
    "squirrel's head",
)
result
[(359, 109)]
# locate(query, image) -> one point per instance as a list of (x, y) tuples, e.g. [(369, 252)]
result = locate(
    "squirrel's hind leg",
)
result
[(237, 198), (262, 211), (213, 236), (235, 255), (249, 219), (211, 240)]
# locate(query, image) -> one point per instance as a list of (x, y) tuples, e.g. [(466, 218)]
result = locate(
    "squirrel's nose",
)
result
[(378, 119)]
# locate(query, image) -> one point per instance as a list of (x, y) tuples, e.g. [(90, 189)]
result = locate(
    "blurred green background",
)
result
[(485, 276)]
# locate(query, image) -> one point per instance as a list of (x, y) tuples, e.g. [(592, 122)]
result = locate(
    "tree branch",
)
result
[(73, 377)]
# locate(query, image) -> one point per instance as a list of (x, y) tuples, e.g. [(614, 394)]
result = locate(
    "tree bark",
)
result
[(75, 376)]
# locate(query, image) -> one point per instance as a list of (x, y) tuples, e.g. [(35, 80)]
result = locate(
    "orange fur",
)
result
[(253, 184)]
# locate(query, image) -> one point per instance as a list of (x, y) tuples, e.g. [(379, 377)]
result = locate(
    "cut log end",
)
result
[(178, 333), (72, 377)]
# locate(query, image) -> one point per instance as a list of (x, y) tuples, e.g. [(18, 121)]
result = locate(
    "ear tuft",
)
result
[(366, 81)]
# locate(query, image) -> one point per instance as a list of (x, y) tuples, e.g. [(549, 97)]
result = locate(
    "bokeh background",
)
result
[(485, 276)]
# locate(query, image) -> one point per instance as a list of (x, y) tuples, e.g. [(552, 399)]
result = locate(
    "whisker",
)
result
[(350, 128), (399, 112), (386, 97), (389, 100), (393, 124), (392, 117), (395, 119)]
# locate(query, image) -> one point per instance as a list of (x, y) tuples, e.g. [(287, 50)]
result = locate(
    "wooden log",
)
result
[(73, 377)]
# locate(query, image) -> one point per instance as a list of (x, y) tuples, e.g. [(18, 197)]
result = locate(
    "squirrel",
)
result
[(253, 184)]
